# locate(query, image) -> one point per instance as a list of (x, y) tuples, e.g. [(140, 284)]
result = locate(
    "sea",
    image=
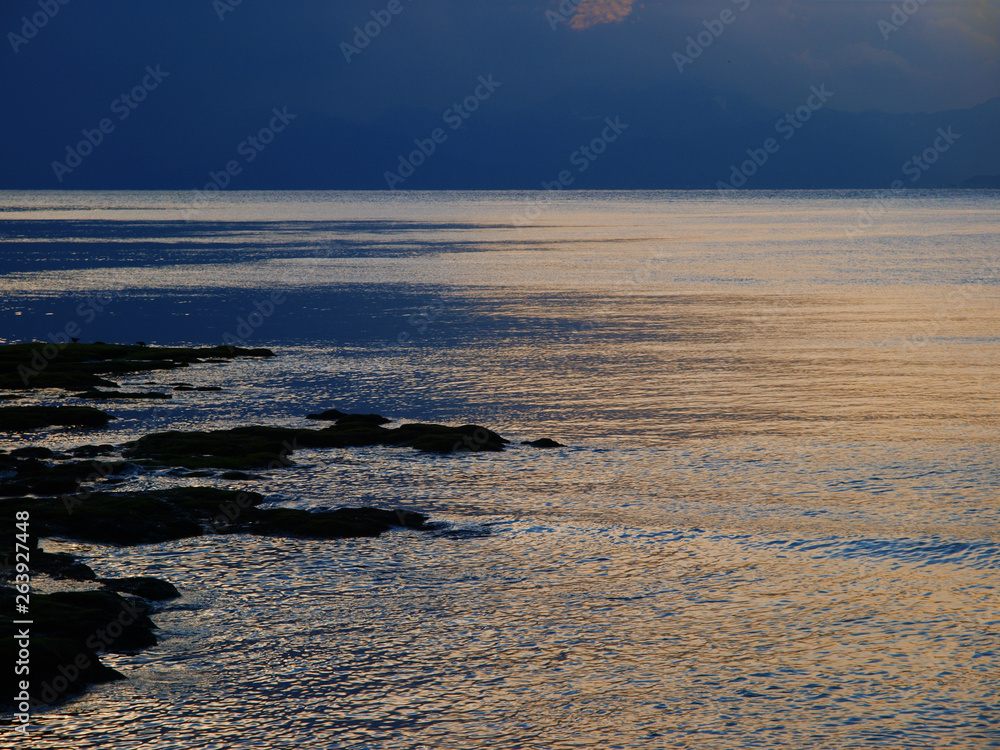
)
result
[(774, 523)]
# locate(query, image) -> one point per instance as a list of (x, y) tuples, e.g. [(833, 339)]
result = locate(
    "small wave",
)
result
[(980, 554)]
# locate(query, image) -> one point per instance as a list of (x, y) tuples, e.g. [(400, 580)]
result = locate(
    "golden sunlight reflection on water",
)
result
[(774, 525)]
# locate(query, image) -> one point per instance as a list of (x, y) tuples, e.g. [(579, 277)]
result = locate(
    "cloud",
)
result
[(596, 12)]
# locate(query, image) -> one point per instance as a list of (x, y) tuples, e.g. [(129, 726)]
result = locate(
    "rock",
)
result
[(25, 418), (82, 614), (55, 565), (126, 518), (68, 628), (240, 448), (543, 443), (337, 524), (335, 415), (96, 395), (80, 367), (52, 659), (271, 447), (239, 475), (34, 477), (36, 451), (91, 451), (154, 589), (61, 565)]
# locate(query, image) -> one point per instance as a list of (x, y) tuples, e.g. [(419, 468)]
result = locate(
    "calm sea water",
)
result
[(775, 525)]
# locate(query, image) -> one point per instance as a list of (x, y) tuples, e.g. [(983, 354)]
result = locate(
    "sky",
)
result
[(371, 63)]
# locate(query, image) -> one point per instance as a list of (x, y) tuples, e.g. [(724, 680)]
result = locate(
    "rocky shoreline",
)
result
[(71, 495)]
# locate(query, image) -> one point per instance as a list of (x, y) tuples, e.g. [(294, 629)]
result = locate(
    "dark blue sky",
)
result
[(560, 66)]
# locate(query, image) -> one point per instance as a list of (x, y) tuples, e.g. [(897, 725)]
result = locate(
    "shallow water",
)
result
[(775, 525)]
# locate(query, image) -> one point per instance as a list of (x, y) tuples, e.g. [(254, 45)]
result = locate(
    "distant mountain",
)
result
[(687, 137)]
